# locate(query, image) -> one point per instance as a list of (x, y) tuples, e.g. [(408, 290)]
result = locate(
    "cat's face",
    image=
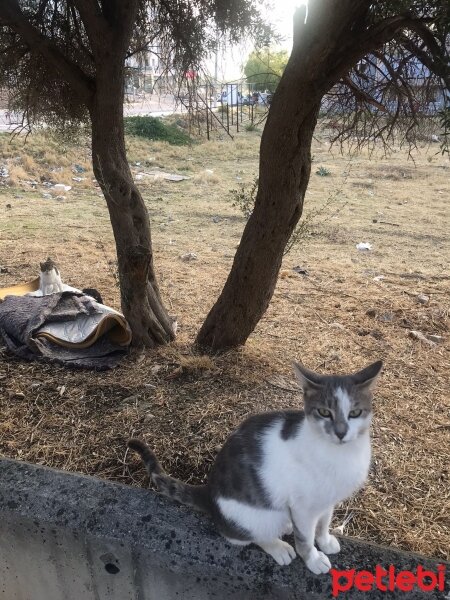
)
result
[(339, 408)]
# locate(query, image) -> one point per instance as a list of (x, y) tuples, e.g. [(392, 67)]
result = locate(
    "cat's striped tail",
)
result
[(196, 496)]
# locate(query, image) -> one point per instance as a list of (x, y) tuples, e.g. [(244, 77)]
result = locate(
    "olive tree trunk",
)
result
[(140, 297), (322, 53)]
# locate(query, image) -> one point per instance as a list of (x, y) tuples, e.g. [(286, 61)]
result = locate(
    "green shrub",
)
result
[(323, 172), (156, 129)]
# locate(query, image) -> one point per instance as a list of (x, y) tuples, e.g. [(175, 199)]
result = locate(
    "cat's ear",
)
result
[(308, 379), (368, 377)]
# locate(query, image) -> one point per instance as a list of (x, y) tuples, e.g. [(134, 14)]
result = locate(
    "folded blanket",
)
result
[(68, 327)]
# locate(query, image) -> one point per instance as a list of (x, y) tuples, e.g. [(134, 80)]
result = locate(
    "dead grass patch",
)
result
[(350, 309)]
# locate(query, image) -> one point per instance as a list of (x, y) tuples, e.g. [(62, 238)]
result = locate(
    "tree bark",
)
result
[(317, 61), (141, 302)]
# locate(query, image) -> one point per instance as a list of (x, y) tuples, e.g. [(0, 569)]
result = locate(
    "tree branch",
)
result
[(361, 95), (439, 67), (92, 18), (12, 16)]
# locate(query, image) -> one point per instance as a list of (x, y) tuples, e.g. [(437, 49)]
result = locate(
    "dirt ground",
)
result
[(351, 307)]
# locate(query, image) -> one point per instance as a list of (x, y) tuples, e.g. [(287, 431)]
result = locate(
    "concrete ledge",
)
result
[(70, 537)]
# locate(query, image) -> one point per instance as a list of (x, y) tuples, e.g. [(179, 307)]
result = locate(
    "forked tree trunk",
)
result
[(321, 55), (285, 165), (140, 297)]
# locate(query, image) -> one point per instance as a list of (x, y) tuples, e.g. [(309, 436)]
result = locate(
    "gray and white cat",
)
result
[(287, 470), (49, 279)]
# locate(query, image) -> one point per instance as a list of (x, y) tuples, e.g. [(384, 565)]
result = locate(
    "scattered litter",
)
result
[(189, 256), (78, 179), (423, 298), (435, 138), (418, 335), (161, 175), (4, 172), (62, 186), (79, 169), (300, 270), (209, 171), (364, 246), (47, 196), (437, 339)]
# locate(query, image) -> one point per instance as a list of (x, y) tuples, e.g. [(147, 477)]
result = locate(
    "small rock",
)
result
[(8, 206), (423, 298), (437, 339), (4, 269), (337, 326), (60, 198), (371, 312), (216, 219), (386, 317), (377, 334), (47, 196), (189, 256)]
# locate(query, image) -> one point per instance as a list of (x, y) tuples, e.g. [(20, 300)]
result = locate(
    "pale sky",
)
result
[(280, 15)]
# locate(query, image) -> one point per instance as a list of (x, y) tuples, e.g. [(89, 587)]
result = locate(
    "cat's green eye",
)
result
[(324, 412), (353, 414)]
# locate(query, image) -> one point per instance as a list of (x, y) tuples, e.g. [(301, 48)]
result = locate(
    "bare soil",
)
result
[(350, 308)]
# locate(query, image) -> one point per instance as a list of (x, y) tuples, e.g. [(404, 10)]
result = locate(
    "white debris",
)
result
[(364, 246), (189, 256), (62, 187), (379, 278), (423, 298)]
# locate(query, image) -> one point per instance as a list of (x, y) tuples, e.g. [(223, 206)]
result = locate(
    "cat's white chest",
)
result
[(50, 283), (310, 471)]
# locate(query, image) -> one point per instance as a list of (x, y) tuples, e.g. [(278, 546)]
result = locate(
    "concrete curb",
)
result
[(70, 537)]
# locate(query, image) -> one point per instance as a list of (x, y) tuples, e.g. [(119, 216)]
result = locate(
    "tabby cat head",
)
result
[(339, 407)]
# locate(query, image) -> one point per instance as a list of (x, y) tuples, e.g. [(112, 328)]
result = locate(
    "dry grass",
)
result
[(335, 319)]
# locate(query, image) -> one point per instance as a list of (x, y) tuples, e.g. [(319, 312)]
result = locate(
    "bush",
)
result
[(156, 129)]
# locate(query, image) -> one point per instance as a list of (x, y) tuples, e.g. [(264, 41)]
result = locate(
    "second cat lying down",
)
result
[(286, 470)]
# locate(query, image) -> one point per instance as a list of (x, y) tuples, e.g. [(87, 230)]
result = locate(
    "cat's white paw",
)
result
[(318, 562), (329, 544), (282, 552)]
